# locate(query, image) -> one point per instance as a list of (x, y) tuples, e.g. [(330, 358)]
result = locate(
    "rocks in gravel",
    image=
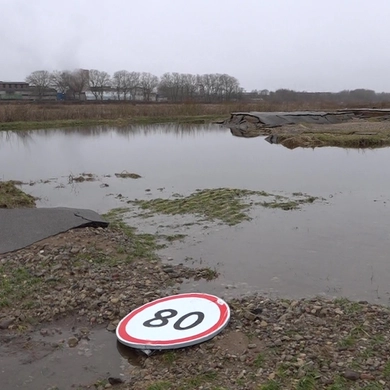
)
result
[(351, 375), (73, 341), (266, 338), (6, 322)]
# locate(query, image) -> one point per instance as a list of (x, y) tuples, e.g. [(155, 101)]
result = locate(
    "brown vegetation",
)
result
[(130, 112)]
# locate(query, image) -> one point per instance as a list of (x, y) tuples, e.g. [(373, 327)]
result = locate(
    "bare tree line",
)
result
[(125, 85)]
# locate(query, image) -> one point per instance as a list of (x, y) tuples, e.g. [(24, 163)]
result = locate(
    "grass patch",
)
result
[(348, 306), (290, 204), (81, 178), (200, 379), (160, 385), (270, 385), (12, 197), (347, 341), (127, 175), (338, 384), (207, 273), (16, 284), (386, 370), (175, 237), (308, 382), (228, 205), (222, 204), (142, 245), (259, 361), (169, 357)]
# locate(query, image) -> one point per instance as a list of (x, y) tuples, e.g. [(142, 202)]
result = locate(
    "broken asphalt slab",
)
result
[(22, 227)]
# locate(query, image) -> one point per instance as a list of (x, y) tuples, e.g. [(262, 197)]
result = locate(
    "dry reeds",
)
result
[(59, 111)]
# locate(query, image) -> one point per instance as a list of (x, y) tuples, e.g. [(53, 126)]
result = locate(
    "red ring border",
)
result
[(224, 314)]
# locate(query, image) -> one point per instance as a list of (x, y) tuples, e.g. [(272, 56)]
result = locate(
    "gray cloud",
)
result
[(300, 44)]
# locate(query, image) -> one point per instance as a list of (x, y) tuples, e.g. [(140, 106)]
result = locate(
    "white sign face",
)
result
[(174, 322)]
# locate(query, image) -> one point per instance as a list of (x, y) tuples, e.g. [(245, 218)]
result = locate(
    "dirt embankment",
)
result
[(348, 129)]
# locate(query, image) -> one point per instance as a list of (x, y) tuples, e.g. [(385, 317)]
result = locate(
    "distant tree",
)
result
[(60, 80), (132, 82), (79, 81), (148, 83), (120, 83), (98, 82), (40, 79), (229, 86)]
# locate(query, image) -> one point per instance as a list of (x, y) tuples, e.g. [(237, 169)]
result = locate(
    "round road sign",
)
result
[(174, 322)]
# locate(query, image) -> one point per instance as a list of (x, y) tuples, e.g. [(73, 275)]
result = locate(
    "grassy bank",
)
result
[(12, 197), (29, 116), (358, 135)]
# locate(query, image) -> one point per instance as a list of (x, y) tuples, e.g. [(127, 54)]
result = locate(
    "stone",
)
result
[(351, 375), (73, 341), (111, 327), (367, 377), (6, 322)]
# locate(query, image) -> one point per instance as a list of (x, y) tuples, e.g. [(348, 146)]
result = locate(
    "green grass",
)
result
[(141, 245), (175, 237), (198, 380), (160, 385), (308, 382), (386, 370), (169, 357), (347, 341), (16, 284), (270, 385), (290, 205), (259, 361), (12, 197), (348, 306), (227, 205), (222, 204), (208, 273), (338, 384), (128, 175)]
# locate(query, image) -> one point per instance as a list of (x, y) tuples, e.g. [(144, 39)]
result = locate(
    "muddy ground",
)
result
[(357, 133), (91, 278)]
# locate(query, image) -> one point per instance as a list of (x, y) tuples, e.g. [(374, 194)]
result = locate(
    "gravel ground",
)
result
[(96, 274)]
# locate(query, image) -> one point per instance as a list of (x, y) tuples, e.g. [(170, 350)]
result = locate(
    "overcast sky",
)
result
[(312, 45)]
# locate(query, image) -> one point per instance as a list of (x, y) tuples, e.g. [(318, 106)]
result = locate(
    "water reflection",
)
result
[(180, 130)]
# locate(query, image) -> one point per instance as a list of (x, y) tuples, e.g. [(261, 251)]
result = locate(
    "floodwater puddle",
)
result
[(334, 243), (63, 356), (267, 219)]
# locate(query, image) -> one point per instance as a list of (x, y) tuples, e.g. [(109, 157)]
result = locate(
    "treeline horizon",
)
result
[(183, 87), (175, 87)]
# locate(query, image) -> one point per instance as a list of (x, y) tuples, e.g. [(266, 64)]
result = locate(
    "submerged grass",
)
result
[(224, 204), (142, 245), (228, 205), (12, 197)]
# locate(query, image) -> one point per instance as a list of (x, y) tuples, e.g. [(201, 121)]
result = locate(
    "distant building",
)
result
[(14, 90), (19, 90)]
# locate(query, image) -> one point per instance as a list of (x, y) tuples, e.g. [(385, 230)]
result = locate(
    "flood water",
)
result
[(336, 247)]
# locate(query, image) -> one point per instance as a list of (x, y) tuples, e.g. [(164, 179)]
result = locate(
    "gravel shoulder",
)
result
[(100, 275)]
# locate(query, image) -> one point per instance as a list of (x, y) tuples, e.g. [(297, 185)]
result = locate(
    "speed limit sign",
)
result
[(174, 322)]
